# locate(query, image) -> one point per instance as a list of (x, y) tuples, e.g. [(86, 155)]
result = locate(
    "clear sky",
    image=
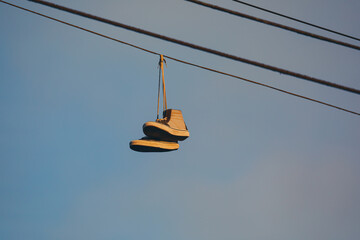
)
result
[(258, 164)]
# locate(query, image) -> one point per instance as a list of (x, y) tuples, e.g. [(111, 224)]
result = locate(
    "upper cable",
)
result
[(278, 25), (298, 20)]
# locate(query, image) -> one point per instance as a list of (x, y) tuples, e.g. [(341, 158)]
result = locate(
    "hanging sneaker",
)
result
[(147, 144), (170, 128)]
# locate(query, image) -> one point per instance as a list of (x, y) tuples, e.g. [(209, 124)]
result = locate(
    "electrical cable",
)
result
[(201, 48), (239, 14), (182, 61), (297, 20)]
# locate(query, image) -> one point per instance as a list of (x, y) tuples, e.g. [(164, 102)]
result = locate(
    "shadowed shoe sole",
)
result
[(164, 132), (152, 145)]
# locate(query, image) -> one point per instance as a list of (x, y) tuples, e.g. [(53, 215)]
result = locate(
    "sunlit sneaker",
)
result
[(147, 144), (170, 128)]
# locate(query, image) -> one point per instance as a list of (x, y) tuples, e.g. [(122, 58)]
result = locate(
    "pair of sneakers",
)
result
[(163, 134)]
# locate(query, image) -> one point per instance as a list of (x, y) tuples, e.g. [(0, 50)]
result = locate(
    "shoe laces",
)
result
[(162, 120)]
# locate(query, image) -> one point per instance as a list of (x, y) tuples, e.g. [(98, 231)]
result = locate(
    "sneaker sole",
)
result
[(163, 132), (153, 146)]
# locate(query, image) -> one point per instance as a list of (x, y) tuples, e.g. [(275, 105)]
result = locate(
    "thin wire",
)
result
[(239, 14), (185, 62), (201, 48), (297, 20)]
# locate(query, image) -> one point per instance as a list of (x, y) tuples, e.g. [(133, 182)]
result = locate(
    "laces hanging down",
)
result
[(164, 133), (161, 76)]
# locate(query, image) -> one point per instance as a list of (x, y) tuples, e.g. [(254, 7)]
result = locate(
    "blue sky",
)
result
[(258, 164)]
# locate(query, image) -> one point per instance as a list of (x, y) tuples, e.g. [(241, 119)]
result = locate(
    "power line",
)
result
[(184, 62), (201, 48), (239, 14), (297, 20)]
